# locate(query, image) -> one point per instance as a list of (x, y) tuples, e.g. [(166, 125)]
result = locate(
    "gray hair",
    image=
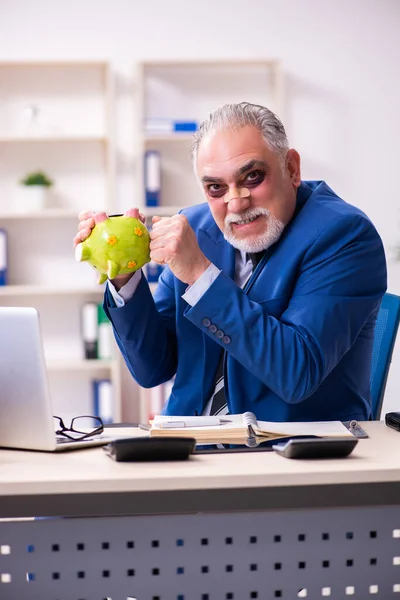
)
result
[(235, 116)]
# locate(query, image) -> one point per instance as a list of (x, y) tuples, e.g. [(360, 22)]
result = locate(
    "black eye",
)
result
[(215, 190), (254, 178)]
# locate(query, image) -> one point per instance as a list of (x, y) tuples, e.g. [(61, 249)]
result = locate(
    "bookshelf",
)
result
[(57, 117), (188, 90)]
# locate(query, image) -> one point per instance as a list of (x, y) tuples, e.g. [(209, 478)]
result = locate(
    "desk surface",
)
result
[(89, 482)]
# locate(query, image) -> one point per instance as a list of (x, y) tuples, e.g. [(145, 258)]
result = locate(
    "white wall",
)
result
[(341, 61)]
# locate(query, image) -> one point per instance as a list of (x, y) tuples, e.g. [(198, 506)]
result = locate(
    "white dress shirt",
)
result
[(243, 269)]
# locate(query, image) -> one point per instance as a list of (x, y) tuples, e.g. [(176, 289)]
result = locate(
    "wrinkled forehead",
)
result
[(228, 154)]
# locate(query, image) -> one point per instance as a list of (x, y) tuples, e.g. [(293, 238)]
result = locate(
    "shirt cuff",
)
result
[(127, 290), (195, 292)]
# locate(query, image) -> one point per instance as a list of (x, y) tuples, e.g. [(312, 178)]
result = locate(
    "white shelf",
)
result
[(51, 138), (161, 211), (57, 116), (80, 365), (48, 290), (56, 213), (189, 90), (217, 62), (149, 138)]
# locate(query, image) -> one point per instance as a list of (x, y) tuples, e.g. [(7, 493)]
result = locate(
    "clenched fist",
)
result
[(173, 242)]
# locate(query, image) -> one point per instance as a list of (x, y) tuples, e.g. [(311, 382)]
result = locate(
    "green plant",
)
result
[(37, 178)]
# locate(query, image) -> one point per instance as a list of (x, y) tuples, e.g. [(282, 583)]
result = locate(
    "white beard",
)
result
[(254, 244)]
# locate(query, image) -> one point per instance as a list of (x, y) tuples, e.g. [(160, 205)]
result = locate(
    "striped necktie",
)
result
[(218, 402)]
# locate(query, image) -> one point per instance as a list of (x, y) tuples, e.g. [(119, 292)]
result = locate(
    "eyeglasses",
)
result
[(80, 427)]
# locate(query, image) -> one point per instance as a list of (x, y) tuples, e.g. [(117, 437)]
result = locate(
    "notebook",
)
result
[(244, 426), (26, 413)]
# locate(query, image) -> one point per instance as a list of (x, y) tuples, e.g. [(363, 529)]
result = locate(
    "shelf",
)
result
[(46, 290), (79, 365), (161, 211), (240, 62), (167, 137), (4, 139), (57, 213)]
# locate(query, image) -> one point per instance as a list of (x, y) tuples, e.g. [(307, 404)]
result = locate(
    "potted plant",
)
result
[(35, 186)]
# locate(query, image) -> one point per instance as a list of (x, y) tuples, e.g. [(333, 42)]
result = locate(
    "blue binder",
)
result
[(3, 257), (152, 177), (102, 400)]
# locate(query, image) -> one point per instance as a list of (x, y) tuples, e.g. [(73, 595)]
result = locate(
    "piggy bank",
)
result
[(116, 246)]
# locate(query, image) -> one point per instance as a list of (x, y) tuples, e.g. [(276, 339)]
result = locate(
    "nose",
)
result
[(238, 205), (237, 199)]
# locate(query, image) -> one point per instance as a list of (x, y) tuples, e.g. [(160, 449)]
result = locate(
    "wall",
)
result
[(340, 60)]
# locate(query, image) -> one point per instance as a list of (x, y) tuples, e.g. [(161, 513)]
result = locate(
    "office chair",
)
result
[(386, 327)]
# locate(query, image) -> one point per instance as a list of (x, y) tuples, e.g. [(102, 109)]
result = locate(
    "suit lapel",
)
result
[(217, 249)]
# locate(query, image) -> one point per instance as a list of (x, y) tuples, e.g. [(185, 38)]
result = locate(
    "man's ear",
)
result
[(293, 166)]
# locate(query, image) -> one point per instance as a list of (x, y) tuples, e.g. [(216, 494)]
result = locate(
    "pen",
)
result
[(193, 422)]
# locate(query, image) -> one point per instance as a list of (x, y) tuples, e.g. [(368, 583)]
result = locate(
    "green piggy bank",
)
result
[(116, 246)]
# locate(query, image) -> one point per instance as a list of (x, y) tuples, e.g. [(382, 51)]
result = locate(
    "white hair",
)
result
[(235, 116)]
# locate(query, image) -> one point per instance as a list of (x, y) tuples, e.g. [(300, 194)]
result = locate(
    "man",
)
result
[(289, 339)]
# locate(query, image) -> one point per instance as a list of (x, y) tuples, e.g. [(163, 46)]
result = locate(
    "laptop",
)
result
[(26, 412)]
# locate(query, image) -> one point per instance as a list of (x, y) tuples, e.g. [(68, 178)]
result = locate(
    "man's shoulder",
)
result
[(327, 204)]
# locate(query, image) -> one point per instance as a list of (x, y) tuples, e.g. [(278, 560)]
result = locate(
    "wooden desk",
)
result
[(216, 526)]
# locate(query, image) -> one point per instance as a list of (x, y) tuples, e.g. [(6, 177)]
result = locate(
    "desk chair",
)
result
[(386, 327)]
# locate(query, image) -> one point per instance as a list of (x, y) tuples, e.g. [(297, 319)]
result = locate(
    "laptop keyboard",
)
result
[(63, 440)]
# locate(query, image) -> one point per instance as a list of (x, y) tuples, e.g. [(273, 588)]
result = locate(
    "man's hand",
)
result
[(88, 219), (173, 242)]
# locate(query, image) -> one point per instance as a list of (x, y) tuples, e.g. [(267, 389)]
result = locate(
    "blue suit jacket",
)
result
[(298, 338)]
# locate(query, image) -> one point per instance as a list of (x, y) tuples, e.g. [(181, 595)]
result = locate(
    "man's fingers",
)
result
[(84, 215), (99, 217), (88, 224), (82, 235)]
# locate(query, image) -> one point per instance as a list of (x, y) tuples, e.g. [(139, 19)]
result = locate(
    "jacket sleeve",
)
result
[(339, 284), (145, 331)]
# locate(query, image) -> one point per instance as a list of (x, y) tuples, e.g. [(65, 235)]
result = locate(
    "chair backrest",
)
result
[(386, 327)]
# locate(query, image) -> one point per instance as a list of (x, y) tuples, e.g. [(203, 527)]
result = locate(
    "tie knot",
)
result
[(255, 257)]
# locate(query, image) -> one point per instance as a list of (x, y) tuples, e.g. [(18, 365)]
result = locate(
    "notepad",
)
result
[(246, 425)]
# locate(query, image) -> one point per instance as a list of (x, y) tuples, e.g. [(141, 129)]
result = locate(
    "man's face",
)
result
[(251, 193)]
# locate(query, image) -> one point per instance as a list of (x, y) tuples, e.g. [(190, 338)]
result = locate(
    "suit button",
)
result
[(220, 334), (213, 328), (226, 339), (206, 322)]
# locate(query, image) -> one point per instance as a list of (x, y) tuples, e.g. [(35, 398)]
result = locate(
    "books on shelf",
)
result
[(97, 334), (102, 400), (241, 427), (169, 126), (153, 271), (105, 336), (152, 177), (89, 329), (3, 257)]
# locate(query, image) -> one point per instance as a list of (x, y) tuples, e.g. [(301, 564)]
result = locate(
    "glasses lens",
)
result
[(86, 424)]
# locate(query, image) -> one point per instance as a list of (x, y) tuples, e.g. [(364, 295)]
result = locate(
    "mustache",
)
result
[(250, 213)]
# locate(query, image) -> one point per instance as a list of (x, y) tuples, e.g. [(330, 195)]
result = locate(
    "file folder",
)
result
[(3, 257), (152, 177)]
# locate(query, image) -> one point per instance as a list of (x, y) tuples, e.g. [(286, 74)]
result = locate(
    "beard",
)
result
[(256, 243)]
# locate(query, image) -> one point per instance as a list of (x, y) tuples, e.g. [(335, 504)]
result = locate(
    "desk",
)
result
[(233, 526)]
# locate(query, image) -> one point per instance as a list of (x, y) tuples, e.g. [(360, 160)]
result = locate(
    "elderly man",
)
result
[(271, 288)]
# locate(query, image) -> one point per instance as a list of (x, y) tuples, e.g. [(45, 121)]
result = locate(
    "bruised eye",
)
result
[(254, 178), (215, 190)]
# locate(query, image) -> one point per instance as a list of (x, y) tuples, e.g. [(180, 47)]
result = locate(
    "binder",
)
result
[(153, 271), (170, 126), (89, 329), (102, 400), (3, 257), (105, 339), (152, 177)]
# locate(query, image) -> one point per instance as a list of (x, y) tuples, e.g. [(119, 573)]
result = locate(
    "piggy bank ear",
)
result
[(82, 252)]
